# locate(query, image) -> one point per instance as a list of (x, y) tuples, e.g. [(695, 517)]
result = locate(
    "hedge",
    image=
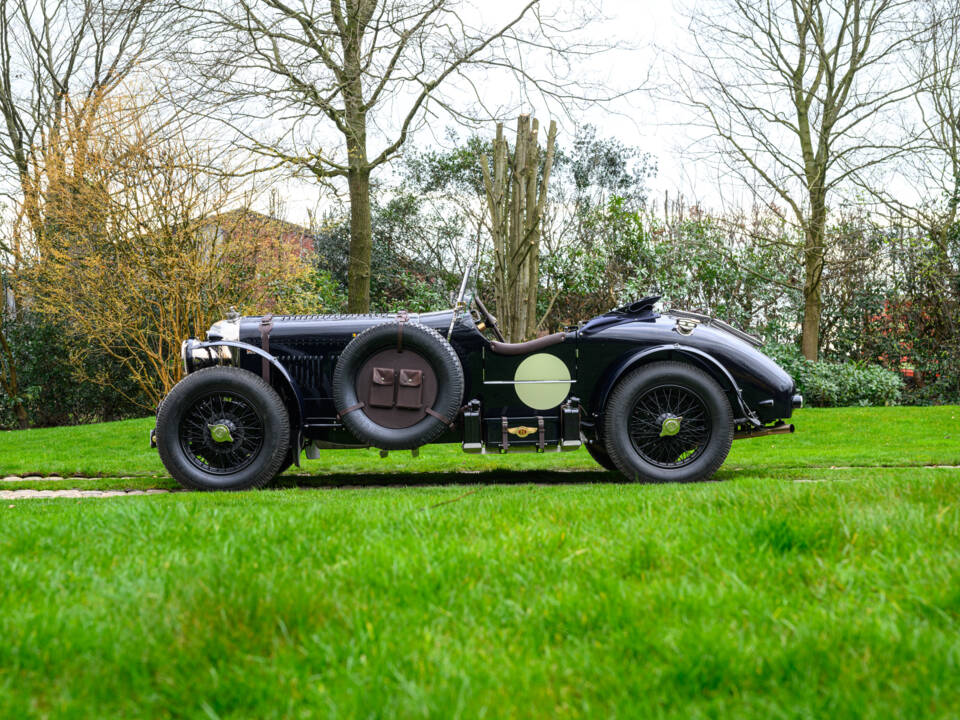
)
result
[(831, 384)]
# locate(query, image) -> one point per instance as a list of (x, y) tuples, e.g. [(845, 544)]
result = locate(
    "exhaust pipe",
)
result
[(781, 428)]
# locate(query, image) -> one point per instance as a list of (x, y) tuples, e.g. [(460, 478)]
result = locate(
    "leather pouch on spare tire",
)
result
[(410, 389), (398, 385), (381, 388)]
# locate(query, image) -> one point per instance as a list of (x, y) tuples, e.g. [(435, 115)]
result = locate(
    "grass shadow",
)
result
[(500, 476), (482, 477)]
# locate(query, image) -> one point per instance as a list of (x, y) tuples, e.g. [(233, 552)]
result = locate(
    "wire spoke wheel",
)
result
[(224, 428), (669, 426), (221, 433)]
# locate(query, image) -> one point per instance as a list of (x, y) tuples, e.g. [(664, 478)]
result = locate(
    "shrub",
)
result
[(50, 367), (829, 384), (311, 291)]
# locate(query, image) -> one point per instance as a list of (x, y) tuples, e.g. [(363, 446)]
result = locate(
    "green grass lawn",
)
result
[(901, 436), (757, 597)]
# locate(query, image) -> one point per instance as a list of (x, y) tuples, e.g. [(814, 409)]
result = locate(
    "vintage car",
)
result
[(657, 397)]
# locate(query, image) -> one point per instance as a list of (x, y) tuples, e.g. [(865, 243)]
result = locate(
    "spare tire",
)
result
[(398, 385)]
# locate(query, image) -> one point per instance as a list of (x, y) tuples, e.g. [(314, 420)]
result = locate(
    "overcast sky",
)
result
[(654, 126), (648, 119)]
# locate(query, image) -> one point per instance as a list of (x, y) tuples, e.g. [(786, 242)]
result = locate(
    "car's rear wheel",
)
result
[(223, 428), (668, 422)]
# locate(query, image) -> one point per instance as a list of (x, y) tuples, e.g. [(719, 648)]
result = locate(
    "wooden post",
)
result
[(516, 192)]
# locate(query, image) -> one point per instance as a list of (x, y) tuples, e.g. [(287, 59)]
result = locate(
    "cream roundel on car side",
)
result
[(542, 381)]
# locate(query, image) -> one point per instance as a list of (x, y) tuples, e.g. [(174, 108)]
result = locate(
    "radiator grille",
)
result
[(311, 372)]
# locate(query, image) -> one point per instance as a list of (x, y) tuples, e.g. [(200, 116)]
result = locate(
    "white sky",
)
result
[(654, 127), (653, 29)]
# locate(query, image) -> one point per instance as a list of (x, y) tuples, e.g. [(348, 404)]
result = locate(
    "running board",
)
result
[(780, 428)]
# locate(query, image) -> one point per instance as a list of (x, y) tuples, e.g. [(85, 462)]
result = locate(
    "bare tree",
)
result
[(57, 52), (372, 70), (933, 171), (54, 53), (797, 93)]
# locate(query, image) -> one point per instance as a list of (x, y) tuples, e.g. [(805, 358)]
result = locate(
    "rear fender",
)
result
[(705, 361)]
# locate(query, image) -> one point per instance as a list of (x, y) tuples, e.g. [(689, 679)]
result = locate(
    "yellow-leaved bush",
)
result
[(141, 238)]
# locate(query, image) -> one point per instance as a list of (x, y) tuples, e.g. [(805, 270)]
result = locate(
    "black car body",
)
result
[(686, 383)]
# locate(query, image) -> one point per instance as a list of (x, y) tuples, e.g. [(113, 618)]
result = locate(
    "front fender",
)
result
[(699, 358), (291, 384)]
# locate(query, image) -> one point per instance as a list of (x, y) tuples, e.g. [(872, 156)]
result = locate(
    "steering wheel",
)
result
[(459, 306), (488, 319)]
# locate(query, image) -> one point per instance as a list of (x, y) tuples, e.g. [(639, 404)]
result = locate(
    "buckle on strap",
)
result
[(266, 325)]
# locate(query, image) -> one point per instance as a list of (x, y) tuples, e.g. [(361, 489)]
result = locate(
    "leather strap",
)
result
[(441, 418), (351, 409), (505, 442), (402, 317), (266, 325), (541, 441)]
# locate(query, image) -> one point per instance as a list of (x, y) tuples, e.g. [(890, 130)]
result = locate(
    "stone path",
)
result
[(56, 478), (74, 493), (30, 494)]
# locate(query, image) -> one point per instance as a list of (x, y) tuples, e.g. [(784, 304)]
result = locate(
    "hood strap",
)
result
[(266, 325), (402, 317)]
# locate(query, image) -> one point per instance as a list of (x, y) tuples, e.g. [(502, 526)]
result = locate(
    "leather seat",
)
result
[(529, 346)]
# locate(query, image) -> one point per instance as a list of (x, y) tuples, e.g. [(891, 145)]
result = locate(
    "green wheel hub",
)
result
[(220, 433), (670, 426)]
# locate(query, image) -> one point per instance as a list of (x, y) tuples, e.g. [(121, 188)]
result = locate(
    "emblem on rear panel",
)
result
[(542, 381), (521, 431)]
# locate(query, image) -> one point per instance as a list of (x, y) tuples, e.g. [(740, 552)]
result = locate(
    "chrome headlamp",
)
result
[(196, 356)]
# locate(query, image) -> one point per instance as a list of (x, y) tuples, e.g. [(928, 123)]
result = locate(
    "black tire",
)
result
[(256, 418), (287, 462), (634, 424), (442, 360), (598, 453)]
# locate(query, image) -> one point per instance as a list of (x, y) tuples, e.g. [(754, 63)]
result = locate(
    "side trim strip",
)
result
[(526, 382)]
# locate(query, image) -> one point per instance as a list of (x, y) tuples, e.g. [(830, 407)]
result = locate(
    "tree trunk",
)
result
[(515, 200), (810, 338), (533, 285), (21, 415), (532, 235), (357, 14), (9, 382), (361, 242), (813, 274)]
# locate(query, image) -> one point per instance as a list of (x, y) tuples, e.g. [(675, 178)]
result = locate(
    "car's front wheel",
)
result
[(668, 422), (223, 428)]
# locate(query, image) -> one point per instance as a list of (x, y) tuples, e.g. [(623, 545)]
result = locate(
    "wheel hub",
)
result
[(669, 424), (221, 431)]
